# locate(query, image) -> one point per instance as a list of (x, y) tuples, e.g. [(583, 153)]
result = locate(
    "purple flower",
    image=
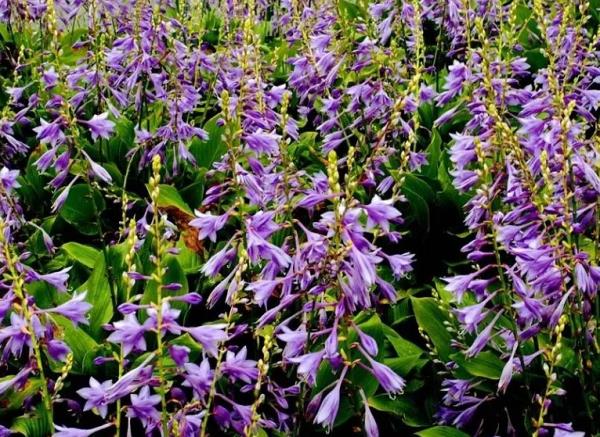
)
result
[(142, 407), (62, 431), (199, 378), (236, 366), (209, 336), (192, 298), (367, 342), (308, 364), (15, 381), (49, 78), (330, 405), (459, 284), (96, 396), (58, 350), (97, 170), (364, 265), (458, 73), (129, 333), (50, 133), (99, 126), (483, 338), (57, 279), (219, 260), (16, 335), (259, 248), (381, 213), (180, 354), (455, 389), (371, 429), (564, 430), (208, 225), (8, 179), (62, 197), (389, 380), (74, 309), (400, 264), (507, 371), (470, 316), (263, 289), (169, 319), (263, 142)]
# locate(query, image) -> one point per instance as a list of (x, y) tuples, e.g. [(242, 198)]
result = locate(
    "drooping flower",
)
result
[(331, 403), (56, 279), (74, 309), (95, 396), (100, 126), (63, 431), (142, 408), (129, 333), (209, 336), (208, 225)]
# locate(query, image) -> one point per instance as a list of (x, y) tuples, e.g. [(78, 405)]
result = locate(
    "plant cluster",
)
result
[(298, 217)]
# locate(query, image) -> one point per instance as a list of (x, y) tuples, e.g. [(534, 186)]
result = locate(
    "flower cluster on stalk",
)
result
[(243, 302)]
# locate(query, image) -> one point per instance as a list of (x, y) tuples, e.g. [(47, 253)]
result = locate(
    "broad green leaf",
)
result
[(32, 425), (45, 295), (420, 186), (80, 209), (351, 9), (419, 209), (401, 346), (209, 151), (175, 274), (433, 155), (404, 406), (120, 143), (431, 319), (99, 296), (405, 364), (194, 193), (187, 258), (81, 253), (83, 346), (441, 431), (485, 364), (168, 196)]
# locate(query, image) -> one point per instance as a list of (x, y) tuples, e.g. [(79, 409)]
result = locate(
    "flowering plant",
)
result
[(278, 218)]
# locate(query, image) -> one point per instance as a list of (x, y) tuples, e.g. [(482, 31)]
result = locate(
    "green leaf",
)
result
[(175, 274), (433, 155), (405, 364), (98, 294), (207, 152), (81, 253), (84, 347), (403, 406), (352, 10), (168, 196), (485, 364), (80, 208), (431, 319), (187, 258), (18, 397), (419, 209), (32, 425), (121, 142), (401, 346), (441, 431), (194, 193), (420, 186)]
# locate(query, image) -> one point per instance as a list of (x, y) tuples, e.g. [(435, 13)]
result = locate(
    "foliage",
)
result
[(291, 218)]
